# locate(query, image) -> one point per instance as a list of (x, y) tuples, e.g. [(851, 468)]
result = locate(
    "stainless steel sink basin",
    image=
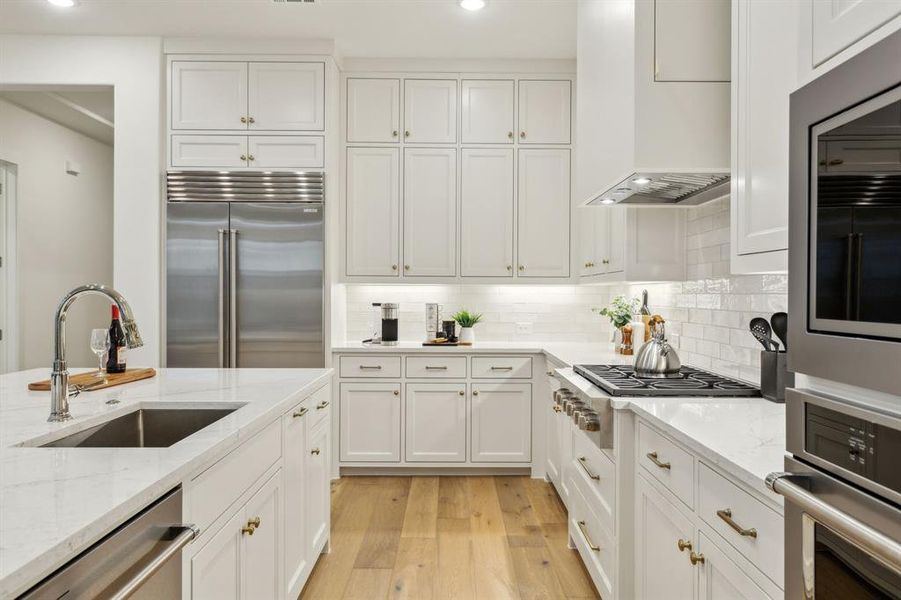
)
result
[(144, 428)]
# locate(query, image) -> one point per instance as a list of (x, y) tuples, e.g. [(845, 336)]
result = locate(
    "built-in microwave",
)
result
[(845, 222)]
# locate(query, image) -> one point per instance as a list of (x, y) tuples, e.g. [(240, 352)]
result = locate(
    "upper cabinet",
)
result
[(838, 24), (430, 211), (486, 198), (488, 111), (373, 110), (691, 40), (544, 215), (270, 96), (430, 111), (373, 206), (544, 111), (764, 34)]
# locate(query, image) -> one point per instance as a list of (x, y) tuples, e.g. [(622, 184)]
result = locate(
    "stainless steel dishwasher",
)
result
[(140, 559)]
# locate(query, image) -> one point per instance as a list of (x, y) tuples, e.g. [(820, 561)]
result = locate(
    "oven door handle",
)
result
[(186, 534), (879, 545)]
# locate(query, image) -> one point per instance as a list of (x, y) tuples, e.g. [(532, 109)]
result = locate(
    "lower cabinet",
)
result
[(501, 422), (370, 416), (552, 433), (317, 513), (243, 559), (720, 576), (295, 446), (435, 422)]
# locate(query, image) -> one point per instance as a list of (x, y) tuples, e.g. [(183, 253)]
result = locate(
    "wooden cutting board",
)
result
[(89, 380)]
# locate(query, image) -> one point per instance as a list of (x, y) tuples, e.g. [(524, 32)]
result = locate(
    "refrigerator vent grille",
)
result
[(245, 186)]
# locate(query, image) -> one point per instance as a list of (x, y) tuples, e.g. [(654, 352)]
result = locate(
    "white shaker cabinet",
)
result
[(295, 446), (285, 152), (209, 95), (545, 109), (765, 33), (198, 151), (544, 213), (435, 422), (720, 578), (286, 96), (486, 224), (372, 235), (370, 422), (501, 423), (373, 110), (430, 212), (488, 111), (317, 513), (430, 111), (216, 568), (836, 25)]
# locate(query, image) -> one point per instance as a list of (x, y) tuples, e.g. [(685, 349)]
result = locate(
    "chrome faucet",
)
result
[(59, 378)]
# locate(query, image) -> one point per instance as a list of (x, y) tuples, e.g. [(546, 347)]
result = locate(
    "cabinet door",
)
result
[(839, 23), (585, 219), (486, 228), (595, 243), (544, 112), (318, 511), (614, 234), (544, 217), (263, 550), (435, 422), (662, 570), (565, 434), (209, 95), (373, 205), (430, 211), (285, 151), (370, 422), (765, 34), (692, 40), (501, 423), (720, 577), (286, 96), (373, 110), (295, 445), (214, 151), (552, 432), (430, 111), (488, 111), (216, 572)]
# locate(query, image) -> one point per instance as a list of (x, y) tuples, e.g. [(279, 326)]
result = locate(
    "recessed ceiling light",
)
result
[(641, 181), (472, 4), (63, 3), (606, 200)]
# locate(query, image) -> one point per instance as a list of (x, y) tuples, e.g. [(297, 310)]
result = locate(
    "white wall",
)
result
[(64, 229), (134, 66)]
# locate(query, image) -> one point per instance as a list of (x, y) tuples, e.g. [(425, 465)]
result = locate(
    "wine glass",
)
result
[(100, 345)]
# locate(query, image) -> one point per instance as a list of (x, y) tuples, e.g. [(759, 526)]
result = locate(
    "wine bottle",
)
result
[(115, 362)]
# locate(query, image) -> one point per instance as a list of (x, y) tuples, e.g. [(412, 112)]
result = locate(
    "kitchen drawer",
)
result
[(209, 494), (593, 541), (717, 494), (667, 463), (501, 367), (370, 366), (436, 367), (596, 477), (320, 405)]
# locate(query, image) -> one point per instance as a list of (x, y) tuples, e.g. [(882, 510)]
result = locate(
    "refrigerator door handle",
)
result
[(221, 318), (232, 297)]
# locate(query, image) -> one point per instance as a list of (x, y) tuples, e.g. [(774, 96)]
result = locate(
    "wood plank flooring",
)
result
[(424, 538)]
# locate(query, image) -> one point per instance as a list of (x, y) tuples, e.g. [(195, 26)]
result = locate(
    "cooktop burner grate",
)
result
[(621, 380)]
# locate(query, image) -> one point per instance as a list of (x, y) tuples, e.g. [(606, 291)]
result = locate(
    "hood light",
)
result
[(606, 200), (62, 3), (641, 181), (472, 4)]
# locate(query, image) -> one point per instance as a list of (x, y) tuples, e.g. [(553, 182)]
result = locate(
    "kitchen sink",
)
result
[(144, 428)]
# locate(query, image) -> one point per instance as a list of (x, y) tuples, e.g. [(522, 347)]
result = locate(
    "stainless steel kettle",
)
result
[(657, 358)]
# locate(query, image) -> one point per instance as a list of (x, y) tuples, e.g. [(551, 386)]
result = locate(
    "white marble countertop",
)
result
[(563, 353), (55, 502)]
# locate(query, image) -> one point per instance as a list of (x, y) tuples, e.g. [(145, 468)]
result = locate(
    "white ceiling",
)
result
[(89, 112), (359, 28)]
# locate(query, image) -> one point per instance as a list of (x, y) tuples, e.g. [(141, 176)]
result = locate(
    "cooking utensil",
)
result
[(779, 321), (763, 333), (657, 358)]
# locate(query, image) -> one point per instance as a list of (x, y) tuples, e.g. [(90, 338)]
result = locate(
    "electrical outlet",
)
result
[(523, 328)]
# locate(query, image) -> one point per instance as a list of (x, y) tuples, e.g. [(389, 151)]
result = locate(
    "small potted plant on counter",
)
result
[(620, 314), (467, 320)]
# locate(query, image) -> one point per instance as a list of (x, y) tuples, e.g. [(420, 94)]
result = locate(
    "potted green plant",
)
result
[(467, 320), (620, 314)]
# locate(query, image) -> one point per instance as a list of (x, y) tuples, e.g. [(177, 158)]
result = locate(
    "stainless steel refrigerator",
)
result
[(244, 260)]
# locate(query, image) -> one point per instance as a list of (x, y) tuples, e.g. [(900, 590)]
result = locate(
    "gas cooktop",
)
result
[(621, 380)]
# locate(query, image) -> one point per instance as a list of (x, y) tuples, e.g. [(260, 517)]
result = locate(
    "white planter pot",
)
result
[(467, 336)]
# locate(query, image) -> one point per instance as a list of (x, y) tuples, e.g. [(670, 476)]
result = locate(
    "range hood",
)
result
[(653, 102), (656, 189)]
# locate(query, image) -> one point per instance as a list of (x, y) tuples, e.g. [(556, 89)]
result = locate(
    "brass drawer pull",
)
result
[(501, 368), (696, 558), (726, 515), (653, 458), (683, 545), (591, 545), (371, 367), (582, 461), (322, 405), (301, 412), (431, 368)]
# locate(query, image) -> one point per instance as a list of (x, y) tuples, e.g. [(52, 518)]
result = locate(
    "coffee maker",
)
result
[(383, 324)]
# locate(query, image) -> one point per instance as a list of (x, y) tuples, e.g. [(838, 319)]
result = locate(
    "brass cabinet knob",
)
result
[(248, 530), (396, 393), (522, 267), (314, 451), (509, 267), (301, 412), (475, 392), (394, 133), (407, 134), (251, 157), (522, 135), (394, 267), (462, 393), (255, 522), (322, 405), (683, 545), (244, 157), (244, 119), (406, 267), (250, 120), (510, 135), (696, 558)]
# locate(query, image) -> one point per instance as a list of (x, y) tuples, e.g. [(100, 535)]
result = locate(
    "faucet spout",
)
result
[(59, 378)]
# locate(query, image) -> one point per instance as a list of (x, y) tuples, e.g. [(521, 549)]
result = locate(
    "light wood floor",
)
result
[(484, 538)]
